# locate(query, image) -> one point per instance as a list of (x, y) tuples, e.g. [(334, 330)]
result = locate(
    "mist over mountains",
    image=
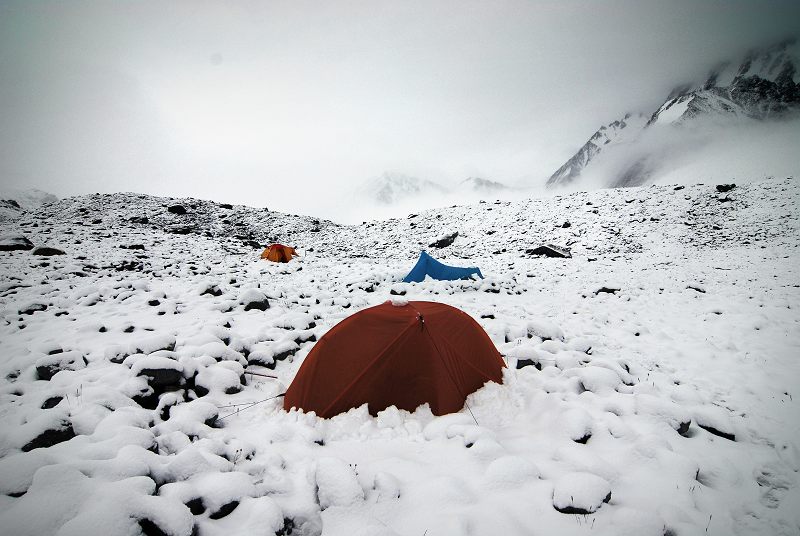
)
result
[(742, 121)]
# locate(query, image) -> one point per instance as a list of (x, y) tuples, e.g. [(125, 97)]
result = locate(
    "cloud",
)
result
[(251, 101)]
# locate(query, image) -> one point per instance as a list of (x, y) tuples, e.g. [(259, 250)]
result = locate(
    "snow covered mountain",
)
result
[(391, 188), (396, 194), (27, 199), (483, 186), (621, 131), (144, 353), (763, 87)]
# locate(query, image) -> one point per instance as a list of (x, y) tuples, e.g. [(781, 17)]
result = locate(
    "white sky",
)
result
[(289, 104)]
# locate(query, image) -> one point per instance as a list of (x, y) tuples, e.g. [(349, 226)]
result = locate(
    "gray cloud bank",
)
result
[(290, 104)]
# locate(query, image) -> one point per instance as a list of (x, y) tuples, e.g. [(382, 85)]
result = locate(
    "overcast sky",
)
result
[(284, 104)]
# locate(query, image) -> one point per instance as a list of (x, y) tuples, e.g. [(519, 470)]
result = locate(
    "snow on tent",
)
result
[(396, 354), (427, 265), (279, 253)]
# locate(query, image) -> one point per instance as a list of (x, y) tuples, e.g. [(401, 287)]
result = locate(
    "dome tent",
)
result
[(279, 253), (427, 265), (396, 354)]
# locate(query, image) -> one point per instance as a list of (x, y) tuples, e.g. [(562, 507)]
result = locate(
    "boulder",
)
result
[(444, 241), (177, 209), (551, 250), (15, 243), (51, 436), (47, 251), (580, 493)]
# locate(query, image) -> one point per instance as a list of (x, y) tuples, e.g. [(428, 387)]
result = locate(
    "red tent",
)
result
[(396, 355)]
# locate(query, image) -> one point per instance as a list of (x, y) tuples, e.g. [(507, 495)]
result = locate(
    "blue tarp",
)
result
[(427, 265)]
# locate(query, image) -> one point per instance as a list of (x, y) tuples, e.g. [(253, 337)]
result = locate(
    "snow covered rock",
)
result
[(15, 243), (580, 493), (48, 366), (77, 504), (46, 430), (337, 484), (254, 299), (444, 241), (715, 420), (511, 471)]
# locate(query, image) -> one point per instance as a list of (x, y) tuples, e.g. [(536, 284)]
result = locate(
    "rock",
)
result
[(51, 402), (226, 205), (580, 493), (196, 506), (15, 243), (444, 241), (551, 250), (177, 209), (212, 290), (337, 484), (139, 219), (522, 363), (49, 366), (607, 290), (150, 528), (224, 510), (288, 527), (162, 378), (139, 247), (180, 229), (722, 188), (128, 266), (47, 251), (566, 225), (51, 437), (254, 299), (719, 433), (33, 308)]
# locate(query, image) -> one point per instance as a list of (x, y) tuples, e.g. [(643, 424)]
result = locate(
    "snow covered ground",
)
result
[(660, 400)]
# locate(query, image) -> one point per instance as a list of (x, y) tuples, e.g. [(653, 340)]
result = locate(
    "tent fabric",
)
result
[(396, 355), (279, 253), (427, 265)]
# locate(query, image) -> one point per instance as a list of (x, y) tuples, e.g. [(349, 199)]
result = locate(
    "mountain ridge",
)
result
[(763, 86)]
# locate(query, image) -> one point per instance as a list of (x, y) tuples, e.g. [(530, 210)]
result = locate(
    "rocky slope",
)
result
[(650, 388)]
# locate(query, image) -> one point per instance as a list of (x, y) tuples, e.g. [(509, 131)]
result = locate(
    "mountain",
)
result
[(394, 194), (483, 186), (617, 132), (392, 187), (27, 199), (762, 87)]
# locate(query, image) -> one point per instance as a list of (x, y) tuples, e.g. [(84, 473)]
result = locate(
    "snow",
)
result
[(681, 403), (580, 491)]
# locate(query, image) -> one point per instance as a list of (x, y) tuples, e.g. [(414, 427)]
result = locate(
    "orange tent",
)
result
[(279, 253), (396, 355)]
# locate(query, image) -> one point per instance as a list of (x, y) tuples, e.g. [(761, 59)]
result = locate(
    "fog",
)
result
[(292, 105), (710, 151)]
